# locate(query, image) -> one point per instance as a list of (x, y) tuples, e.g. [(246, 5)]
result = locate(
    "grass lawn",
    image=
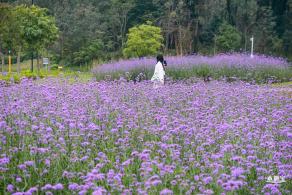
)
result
[(69, 73)]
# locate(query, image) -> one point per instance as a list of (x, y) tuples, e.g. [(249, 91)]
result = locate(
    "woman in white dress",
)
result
[(159, 72)]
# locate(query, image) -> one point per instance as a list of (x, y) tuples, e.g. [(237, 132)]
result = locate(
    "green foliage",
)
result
[(71, 75), (143, 40), (87, 54), (7, 27), (187, 26), (10, 78), (27, 29), (30, 75), (228, 38), (36, 27), (287, 40), (267, 40)]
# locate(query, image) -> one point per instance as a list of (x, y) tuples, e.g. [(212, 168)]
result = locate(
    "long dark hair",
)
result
[(161, 59)]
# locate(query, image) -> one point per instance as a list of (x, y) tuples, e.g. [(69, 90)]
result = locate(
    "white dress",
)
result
[(158, 76)]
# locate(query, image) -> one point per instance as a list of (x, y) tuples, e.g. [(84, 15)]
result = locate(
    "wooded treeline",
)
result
[(97, 29)]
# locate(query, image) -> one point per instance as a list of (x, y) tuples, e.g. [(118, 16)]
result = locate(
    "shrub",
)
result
[(228, 38), (143, 40)]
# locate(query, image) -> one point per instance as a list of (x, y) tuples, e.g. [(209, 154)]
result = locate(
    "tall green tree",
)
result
[(15, 27), (228, 38), (287, 36), (266, 38), (245, 14), (10, 32), (89, 53), (143, 40), (37, 28), (5, 10)]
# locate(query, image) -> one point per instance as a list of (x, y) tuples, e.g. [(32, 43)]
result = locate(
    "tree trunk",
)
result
[(62, 46), (124, 28), (180, 40), (3, 61), (245, 37), (38, 63), (31, 67), (176, 42), (166, 42), (191, 47), (168, 36), (214, 45), (18, 62), (228, 4), (172, 41), (196, 35)]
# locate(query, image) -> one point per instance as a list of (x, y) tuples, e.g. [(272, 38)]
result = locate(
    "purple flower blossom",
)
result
[(207, 180), (4, 161), (22, 167), (166, 192), (73, 187), (10, 188), (196, 178), (47, 187), (33, 190), (29, 163), (58, 186), (18, 180), (236, 172), (99, 191)]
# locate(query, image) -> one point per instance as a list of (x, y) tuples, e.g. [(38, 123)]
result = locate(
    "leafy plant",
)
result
[(228, 38), (143, 40)]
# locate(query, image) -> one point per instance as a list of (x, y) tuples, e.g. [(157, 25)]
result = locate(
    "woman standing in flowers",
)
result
[(159, 72)]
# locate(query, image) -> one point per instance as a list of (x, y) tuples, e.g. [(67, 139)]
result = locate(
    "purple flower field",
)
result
[(237, 60), (97, 138)]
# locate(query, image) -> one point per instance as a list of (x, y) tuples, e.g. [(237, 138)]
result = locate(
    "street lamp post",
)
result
[(251, 51)]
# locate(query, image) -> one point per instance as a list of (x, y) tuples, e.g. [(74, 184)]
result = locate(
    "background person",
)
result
[(159, 72)]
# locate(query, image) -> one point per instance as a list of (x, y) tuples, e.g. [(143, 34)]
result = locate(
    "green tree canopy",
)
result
[(35, 27), (143, 40), (87, 54), (5, 26), (187, 26), (228, 38)]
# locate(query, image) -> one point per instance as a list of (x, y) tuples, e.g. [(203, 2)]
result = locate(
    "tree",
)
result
[(5, 18), (245, 15), (143, 40), (180, 24), (187, 25), (288, 32), (267, 39), (14, 28), (228, 38), (120, 10), (37, 28), (10, 28), (87, 54)]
